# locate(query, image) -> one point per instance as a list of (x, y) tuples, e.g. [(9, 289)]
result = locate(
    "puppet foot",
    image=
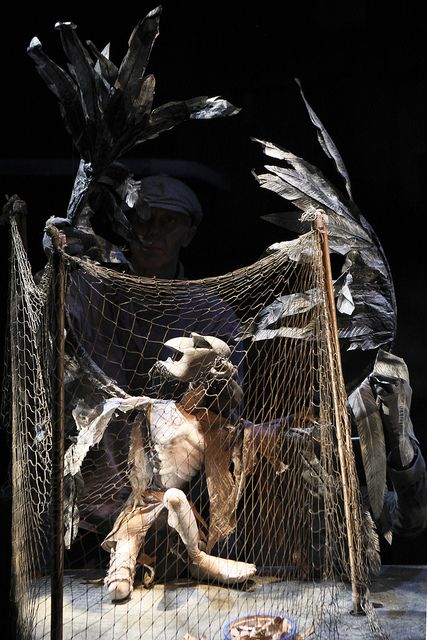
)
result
[(119, 589), (227, 571), (121, 572), (124, 544), (203, 566)]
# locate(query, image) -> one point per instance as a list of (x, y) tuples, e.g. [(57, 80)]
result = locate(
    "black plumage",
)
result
[(108, 109), (372, 322)]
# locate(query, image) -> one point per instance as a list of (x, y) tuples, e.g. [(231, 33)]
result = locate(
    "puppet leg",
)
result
[(124, 543), (203, 566)]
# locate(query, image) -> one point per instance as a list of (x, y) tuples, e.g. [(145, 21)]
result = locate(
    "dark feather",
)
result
[(372, 445), (144, 101), (82, 65), (372, 449), (372, 321), (66, 92), (141, 41), (80, 189), (326, 142), (274, 320), (54, 76), (371, 544), (104, 66)]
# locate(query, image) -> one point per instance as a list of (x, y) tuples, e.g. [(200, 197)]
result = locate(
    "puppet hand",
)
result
[(77, 242)]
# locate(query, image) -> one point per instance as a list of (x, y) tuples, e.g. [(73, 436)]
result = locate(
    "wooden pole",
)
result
[(57, 505), (341, 418)]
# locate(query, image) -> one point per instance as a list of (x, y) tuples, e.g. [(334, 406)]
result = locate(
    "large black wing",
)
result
[(108, 109), (366, 304)]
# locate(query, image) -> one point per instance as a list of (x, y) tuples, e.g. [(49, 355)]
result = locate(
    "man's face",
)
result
[(160, 240)]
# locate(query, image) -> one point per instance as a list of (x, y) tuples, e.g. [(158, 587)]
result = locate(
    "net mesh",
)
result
[(215, 487)]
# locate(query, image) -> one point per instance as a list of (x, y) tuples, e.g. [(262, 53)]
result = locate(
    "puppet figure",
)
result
[(170, 441)]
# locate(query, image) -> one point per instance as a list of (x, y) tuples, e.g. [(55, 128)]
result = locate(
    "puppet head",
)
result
[(195, 357)]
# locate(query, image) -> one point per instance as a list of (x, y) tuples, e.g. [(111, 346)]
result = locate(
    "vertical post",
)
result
[(14, 363), (334, 357), (57, 495)]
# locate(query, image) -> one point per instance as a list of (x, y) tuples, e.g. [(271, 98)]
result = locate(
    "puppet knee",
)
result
[(174, 498)]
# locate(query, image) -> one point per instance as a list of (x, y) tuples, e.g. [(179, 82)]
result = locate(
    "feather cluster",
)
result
[(366, 302), (108, 109)]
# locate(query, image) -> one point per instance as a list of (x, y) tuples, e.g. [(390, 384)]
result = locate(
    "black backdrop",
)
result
[(363, 69)]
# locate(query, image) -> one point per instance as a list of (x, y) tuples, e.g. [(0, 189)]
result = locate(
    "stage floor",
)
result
[(399, 595)]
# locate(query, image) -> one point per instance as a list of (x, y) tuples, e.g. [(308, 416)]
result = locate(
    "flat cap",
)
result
[(170, 193)]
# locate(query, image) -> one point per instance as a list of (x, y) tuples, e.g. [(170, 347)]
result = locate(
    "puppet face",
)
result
[(194, 357)]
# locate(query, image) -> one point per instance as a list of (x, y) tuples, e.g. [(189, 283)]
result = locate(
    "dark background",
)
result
[(364, 71)]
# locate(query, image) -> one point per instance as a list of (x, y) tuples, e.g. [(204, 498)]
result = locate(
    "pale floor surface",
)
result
[(170, 612)]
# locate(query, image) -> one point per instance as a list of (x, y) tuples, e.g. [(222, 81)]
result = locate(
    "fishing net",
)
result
[(207, 485)]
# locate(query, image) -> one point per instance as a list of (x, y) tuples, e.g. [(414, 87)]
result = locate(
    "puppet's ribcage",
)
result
[(177, 442)]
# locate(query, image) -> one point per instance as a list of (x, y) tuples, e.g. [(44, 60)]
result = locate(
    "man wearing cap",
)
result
[(162, 215), (165, 218)]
